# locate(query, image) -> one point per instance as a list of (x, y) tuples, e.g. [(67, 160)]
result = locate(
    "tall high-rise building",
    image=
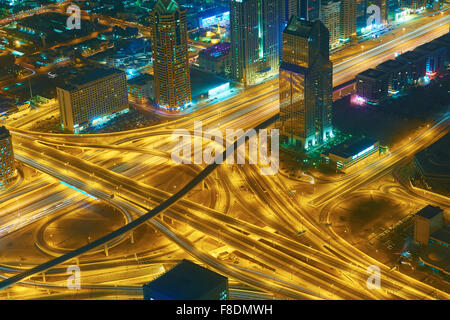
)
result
[(168, 28), (330, 15), (255, 40), (309, 9), (305, 84), (288, 9), (92, 97), (348, 18), (7, 166)]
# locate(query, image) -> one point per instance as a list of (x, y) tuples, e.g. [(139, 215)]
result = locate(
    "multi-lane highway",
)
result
[(109, 167)]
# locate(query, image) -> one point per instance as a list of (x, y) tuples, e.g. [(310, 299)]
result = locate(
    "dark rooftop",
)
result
[(4, 133), (350, 148), (202, 82), (390, 65), (89, 76), (411, 56), (429, 47), (299, 27), (436, 256), (186, 281), (372, 73), (435, 160), (141, 79), (429, 212), (445, 39), (443, 235)]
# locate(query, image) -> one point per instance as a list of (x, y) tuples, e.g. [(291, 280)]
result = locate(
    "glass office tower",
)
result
[(305, 84), (255, 40)]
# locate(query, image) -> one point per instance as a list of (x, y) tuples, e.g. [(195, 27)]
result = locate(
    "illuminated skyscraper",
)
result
[(330, 15), (348, 19), (309, 9), (168, 28), (289, 8), (7, 166), (305, 84), (255, 40)]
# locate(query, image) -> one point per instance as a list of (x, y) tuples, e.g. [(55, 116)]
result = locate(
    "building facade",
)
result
[(372, 85), (348, 19), (255, 40), (349, 154), (92, 98), (330, 15), (141, 89), (305, 84), (216, 59), (7, 164), (309, 9), (168, 29), (427, 221), (397, 75)]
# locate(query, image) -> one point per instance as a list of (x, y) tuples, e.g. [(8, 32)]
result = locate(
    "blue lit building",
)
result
[(435, 54), (92, 98), (213, 17), (187, 281), (397, 74), (349, 153)]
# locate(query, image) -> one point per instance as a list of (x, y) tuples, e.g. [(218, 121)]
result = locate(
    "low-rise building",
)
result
[(348, 154), (141, 89), (435, 54), (398, 74), (427, 221), (216, 59), (417, 65), (372, 85)]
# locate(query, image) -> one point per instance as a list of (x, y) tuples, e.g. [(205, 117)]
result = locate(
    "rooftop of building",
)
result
[(219, 50), (411, 56), (167, 6), (352, 147), (429, 212), (203, 81), (372, 74), (390, 65), (4, 133), (435, 160), (429, 47), (299, 27), (443, 39), (442, 235), (437, 257), (89, 75), (186, 281), (141, 79)]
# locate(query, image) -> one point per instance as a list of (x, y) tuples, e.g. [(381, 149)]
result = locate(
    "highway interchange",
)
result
[(114, 168)]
